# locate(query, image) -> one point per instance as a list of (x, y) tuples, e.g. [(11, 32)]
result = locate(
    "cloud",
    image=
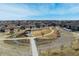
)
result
[(48, 11)]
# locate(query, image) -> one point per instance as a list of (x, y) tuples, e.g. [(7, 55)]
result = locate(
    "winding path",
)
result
[(65, 39)]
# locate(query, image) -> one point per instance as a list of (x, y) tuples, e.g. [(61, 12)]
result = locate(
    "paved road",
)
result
[(65, 39), (33, 47)]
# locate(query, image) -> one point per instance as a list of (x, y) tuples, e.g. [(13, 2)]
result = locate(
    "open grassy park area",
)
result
[(20, 45), (38, 40), (49, 42)]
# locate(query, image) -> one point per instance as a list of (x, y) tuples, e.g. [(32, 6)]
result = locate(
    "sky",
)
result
[(39, 11)]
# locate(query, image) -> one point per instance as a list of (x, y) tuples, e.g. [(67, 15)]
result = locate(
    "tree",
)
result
[(37, 25)]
